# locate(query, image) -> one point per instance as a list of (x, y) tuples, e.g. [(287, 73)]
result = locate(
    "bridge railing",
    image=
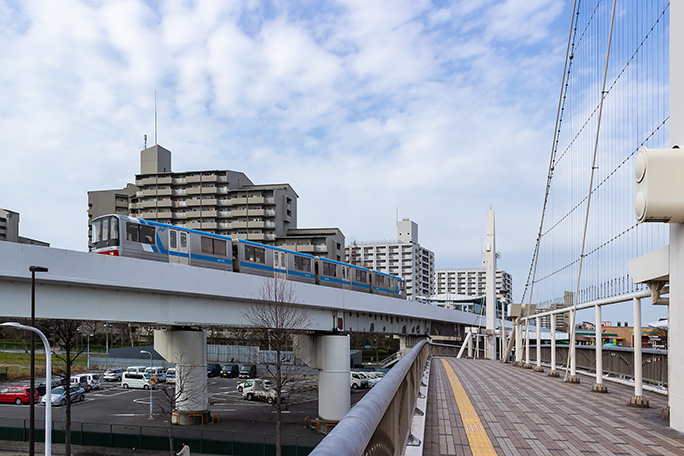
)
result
[(379, 424)]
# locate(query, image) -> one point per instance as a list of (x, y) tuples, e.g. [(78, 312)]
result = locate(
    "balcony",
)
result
[(164, 215), (146, 181), (164, 191), (320, 248), (148, 214), (209, 225), (165, 203), (209, 202), (238, 201), (209, 178), (179, 216), (305, 248), (165, 180), (193, 179), (147, 192), (195, 202), (240, 212), (237, 225), (179, 192), (193, 190), (224, 225), (209, 213), (178, 180), (209, 189)]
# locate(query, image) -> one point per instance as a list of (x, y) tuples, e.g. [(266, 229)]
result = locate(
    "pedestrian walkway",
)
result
[(482, 407)]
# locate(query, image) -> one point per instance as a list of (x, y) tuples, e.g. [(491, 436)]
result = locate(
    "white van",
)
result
[(93, 381), (171, 375), (140, 369), (135, 380), (159, 372)]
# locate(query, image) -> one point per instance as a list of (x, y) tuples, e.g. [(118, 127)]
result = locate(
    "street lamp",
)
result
[(48, 383), (88, 362), (32, 405), (150, 385)]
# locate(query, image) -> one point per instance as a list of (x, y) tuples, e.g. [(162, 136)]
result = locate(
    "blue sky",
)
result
[(435, 110)]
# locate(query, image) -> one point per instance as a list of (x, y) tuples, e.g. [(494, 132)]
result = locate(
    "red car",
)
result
[(18, 394)]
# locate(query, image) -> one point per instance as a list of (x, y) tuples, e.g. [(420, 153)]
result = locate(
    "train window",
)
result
[(276, 262), (173, 240), (361, 276), (329, 269), (219, 247), (302, 263), (259, 255), (207, 245), (131, 232), (283, 262), (147, 234), (184, 241)]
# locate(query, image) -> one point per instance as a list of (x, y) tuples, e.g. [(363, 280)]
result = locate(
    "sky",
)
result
[(430, 110)]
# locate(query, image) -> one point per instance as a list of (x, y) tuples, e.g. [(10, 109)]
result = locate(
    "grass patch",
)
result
[(18, 365)]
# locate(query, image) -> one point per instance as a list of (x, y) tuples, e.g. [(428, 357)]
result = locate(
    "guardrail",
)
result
[(380, 423)]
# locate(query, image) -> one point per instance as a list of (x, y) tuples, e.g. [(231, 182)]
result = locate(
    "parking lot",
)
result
[(112, 404)]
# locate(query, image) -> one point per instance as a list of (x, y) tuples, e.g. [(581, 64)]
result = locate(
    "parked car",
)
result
[(136, 380), (112, 375), (261, 389), (230, 371), (372, 378), (358, 381), (93, 381), (59, 395), (248, 371), (240, 386), (158, 372), (56, 381), (18, 394), (140, 369), (171, 375), (79, 381), (213, 370)]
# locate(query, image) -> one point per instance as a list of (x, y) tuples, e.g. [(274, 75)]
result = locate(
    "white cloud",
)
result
[(364, 107)]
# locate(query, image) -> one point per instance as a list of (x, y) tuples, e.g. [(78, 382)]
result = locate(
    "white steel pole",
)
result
[(538, 368), (638, 400), (469, 337), (676, 308), (48, 383), (518, 342), (599, 387), (527, 344)]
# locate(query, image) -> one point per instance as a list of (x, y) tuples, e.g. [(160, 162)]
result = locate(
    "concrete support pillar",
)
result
[(599, 387), (538, 367), (638, 400), (188, 350), (553, 372), (527, 364), (330, 355), (470, 344)]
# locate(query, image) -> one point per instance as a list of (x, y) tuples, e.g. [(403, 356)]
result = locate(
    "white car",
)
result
[(372, 379), (59, 395)]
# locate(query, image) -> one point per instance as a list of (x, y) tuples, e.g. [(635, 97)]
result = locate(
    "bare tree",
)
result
[(275, 319), (66, 333)]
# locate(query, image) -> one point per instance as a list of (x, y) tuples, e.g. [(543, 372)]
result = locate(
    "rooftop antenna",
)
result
[(145, 142), (155, 117)]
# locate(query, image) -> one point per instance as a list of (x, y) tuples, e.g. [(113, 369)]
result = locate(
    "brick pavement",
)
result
[(528, 413)]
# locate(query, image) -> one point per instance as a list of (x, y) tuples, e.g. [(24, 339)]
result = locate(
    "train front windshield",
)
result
[(105, 232)]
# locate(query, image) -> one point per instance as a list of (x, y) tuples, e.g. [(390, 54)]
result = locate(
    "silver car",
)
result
[(59, 395)]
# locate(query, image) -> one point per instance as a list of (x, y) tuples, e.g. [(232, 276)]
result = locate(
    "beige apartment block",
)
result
[(103, 202), (472, 282), (404, 257), (223, 202)]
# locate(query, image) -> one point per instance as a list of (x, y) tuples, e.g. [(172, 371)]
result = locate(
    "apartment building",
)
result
[(404, 257), (102, 202), (219, 201), (9, 229), (472, 282), (562, 319)]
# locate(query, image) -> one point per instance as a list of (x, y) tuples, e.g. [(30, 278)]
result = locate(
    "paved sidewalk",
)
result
[(528, 413)]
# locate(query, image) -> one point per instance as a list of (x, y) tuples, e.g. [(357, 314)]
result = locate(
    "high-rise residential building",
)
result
[(9, 229), (472, 282), (223, 202), (562, 319), (404, 257)]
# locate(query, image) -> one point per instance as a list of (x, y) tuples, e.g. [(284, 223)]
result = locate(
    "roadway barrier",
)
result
[(156, 438), (379, 424)]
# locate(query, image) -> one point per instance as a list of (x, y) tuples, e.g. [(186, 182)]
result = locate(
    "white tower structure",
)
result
[(490, 287)]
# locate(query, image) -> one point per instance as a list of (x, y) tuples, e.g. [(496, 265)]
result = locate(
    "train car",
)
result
[(387, 285), (270, 261), (333, 273), (119, 235)]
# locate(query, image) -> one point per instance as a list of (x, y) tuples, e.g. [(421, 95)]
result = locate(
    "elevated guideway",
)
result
[(86, 286)]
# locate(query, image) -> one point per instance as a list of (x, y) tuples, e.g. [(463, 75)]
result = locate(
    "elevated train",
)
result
[(119, 235)]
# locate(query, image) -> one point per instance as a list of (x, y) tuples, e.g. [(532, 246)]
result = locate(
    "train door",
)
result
[(178, 247), (279, 265), (346, 277)]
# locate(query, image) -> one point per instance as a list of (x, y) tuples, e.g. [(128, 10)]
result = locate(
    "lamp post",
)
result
[(32, 405), (48, 389), (88, 359), (148, 353)]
